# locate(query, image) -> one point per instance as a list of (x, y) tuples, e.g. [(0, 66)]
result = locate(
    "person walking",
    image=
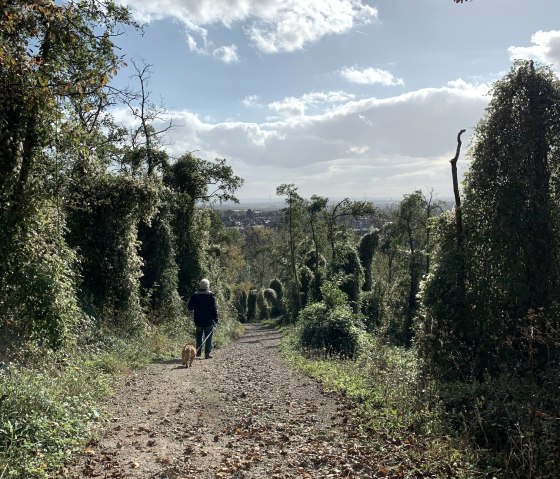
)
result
[(203, 303)]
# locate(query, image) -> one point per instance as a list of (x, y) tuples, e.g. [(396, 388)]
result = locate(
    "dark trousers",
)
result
[(204, 332)]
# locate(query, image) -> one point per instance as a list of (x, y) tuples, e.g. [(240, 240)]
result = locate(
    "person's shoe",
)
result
[(198, 355), (207, 356)]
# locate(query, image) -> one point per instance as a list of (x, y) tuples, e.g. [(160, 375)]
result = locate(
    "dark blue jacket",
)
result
[(203, 303)]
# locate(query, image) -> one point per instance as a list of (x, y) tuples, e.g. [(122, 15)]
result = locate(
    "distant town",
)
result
[(269, 214)]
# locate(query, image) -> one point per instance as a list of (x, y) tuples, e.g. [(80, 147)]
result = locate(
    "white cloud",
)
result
[(545, 48), (370, 76), (251, 101), (227, 54), (298, 107), (372, 147), (294, 23), (193, 45), (271, 25)]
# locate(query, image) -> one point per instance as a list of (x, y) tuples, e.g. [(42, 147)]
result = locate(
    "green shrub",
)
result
[(240, 304), (252, 306), (44, 417), (334, 332), (277, 286), (263, 308), (371, 306), (511, 419), (272, 301)]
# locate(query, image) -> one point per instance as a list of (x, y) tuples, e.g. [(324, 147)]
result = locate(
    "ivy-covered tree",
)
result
[(347, 267), (511, 203), (316, 215), (344, 209), (195, 181), (366, 249), (294, 214), (56, 60), (511, 230), (103, 217)]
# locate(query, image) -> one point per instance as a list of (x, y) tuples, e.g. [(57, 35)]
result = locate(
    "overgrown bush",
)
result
[(511, 419), (371, 306), (252, 307), (330, 326), (263, 307), (346, 265), (240, 304), (37, 282), (278, 287), (333, 332), (272, 301)]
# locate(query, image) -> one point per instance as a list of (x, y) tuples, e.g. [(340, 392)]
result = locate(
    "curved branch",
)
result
[(458, 214)]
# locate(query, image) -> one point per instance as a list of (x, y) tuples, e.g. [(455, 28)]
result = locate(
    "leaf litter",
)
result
[(242, 414)]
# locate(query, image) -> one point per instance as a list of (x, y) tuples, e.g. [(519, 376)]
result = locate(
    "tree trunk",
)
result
[(458, 213)]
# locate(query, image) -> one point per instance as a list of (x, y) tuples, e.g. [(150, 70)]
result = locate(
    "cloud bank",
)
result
[(271, 26), (545, 48), (366, 147)]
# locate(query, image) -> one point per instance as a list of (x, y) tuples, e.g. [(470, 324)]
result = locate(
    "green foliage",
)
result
[(389, 399), (366, 249), (55, 58), (193, 176), (478, 316), (273, 305), (45, 414), (329, 326), (277, 286), (103, 217), (346, 263), (371, 306), (511, 418), (305, 278), (240, 304), (37, 283), (263, 307), (294, 221), (159, 279), (191, 239), (252, 306), (444, 333), (489, 320)]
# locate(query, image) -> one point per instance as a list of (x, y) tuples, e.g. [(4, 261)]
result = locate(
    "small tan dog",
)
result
[(189, 352)]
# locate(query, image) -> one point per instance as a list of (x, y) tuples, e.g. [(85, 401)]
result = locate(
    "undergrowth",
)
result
[(51, 403), (389, 399)]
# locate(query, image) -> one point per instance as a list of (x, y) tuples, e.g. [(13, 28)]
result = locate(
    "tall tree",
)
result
[(294, 214), (343, 209), (56, 61), (511, 200), (316, 213), (196, 181), (510, 228), (366, 249)]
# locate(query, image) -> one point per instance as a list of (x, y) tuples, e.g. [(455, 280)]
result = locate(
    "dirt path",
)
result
[(241, 414)]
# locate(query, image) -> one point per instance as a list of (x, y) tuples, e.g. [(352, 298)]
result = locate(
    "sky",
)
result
[(343, 98)]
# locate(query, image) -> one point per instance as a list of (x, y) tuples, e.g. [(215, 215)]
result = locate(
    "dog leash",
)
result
[(204, 342)]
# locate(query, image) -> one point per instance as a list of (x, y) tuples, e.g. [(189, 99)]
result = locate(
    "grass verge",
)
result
[(401, 413), (50, 407)]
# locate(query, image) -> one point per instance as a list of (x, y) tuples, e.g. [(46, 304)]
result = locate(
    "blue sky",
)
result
[(355, 98)]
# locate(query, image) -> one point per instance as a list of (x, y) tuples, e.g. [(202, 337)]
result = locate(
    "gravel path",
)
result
[(242, 414)]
